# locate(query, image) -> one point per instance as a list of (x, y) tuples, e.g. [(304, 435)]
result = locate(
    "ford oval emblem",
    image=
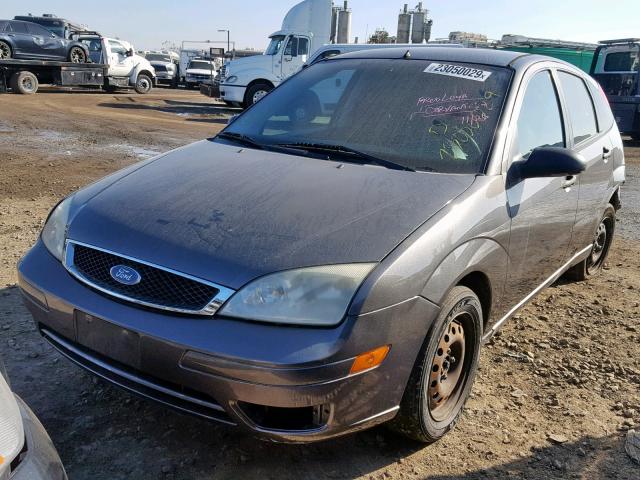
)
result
[(125, 275)]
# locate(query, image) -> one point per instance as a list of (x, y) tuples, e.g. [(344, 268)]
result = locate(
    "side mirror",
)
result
[(548, 162), (130, 52)]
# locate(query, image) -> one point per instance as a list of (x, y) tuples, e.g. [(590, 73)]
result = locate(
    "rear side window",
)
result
[(303, 46), (622, 62), (603, 109), (540, 121), (17, 27), (579, 106)]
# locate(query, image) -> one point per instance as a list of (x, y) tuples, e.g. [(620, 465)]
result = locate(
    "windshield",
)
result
[(418, 114), (200, 65), (154, 57), (275, 45)]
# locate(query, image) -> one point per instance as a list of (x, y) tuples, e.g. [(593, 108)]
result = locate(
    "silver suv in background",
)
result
[(167, 67)]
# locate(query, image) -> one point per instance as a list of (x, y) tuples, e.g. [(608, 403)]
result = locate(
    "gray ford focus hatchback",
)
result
[(336, 257)]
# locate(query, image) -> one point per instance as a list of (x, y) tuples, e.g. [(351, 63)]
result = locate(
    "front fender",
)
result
[(482, 255)]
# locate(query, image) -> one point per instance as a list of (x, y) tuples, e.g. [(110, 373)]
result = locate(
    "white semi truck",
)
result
[(305, 28)]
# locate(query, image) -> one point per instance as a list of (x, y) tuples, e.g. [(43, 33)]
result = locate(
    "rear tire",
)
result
[(77, 55), (25, 83), (592, 265), (143, 84), (255, 93), (444, 372), (5, 51)]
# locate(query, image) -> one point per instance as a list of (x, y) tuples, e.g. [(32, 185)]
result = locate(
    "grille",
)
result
[(157, 287), (160, 68)]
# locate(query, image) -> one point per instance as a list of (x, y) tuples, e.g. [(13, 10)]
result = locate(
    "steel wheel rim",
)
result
[(143, 84), (259, 95), (5, 51), (446, 376), (27, 84), (599, 244)]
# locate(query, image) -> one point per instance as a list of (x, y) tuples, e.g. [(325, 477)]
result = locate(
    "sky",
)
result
[(147, 24)]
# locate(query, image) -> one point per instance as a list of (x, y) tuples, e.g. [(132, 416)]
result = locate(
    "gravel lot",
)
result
[(557, 389)]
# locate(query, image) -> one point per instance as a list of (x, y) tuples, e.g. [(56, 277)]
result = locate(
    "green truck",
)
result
[(575, 53)]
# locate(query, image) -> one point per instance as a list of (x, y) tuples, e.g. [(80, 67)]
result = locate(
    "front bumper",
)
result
[(226, 370), (40, 460), (230, 93)]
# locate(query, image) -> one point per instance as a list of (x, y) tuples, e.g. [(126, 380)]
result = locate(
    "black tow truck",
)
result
[(25, 76)]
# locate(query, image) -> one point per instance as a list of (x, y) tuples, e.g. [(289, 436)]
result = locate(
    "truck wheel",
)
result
[(77, 55), (5, 51), (143, 84), (255, 93), (25, 83), (443, 375), (592, 265)]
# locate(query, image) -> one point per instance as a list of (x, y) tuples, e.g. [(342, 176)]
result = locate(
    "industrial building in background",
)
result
[(341, 23), (469, 39), (413, 25)]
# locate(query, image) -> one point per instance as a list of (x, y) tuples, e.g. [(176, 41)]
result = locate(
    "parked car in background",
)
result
[(26, 451), (166, 66), (336, 257), (200, 71), (616, 66), (126, 69), (26, 40)]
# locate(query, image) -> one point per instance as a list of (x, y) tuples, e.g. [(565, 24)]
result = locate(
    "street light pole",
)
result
[(228, 39)]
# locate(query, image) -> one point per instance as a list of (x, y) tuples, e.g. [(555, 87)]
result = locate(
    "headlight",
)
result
[(11, 428), (55, 230), (308, 296), (231, 79)]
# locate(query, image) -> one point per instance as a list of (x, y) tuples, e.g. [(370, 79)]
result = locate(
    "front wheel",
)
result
[(77, 55), (603, 238), (444, 372), (143, 84), (255, 93)]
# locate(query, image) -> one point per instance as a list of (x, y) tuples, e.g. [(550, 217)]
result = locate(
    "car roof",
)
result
[(486, 56)]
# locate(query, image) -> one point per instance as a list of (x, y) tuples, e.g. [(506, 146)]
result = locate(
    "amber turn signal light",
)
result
[(369, 360)]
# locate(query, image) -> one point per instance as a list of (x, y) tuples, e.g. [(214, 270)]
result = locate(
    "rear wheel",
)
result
[(25, 83), (255, 93), (77, 55), (592, 265), (5, 51), (143, 84), (444, 372)]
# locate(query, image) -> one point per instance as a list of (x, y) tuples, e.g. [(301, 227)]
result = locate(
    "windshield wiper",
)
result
[(364, 158), (241, 138)]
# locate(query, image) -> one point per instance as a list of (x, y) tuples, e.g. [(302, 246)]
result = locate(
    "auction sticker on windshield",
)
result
[(458, 71)]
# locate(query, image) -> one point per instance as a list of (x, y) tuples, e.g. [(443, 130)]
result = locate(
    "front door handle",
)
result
[(569, 182), (606, 154)]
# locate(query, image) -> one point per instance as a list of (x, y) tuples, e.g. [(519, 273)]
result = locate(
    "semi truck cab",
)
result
[(305, 28), (616, 66)]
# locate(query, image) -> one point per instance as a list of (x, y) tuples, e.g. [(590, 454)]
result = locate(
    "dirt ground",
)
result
[(556, 392)]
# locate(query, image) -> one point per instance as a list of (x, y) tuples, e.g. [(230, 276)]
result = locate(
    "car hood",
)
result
[(254, 61), (228, 214)]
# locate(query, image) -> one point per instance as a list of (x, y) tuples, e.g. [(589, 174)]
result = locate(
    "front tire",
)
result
[(77, 55), (593, 264), (143, 84), (444, 372), (255, 93)]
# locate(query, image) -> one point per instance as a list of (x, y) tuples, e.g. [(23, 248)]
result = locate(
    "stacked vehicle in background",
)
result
[(616, 66)]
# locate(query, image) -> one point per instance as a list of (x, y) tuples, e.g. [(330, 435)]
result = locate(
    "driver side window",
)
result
[(117, 47), (540, 121)]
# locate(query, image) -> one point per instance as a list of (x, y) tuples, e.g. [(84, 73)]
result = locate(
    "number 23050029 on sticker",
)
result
[(458, 71)]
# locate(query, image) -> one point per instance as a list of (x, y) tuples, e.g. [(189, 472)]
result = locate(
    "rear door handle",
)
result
[(569, 181), (606, 154)]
